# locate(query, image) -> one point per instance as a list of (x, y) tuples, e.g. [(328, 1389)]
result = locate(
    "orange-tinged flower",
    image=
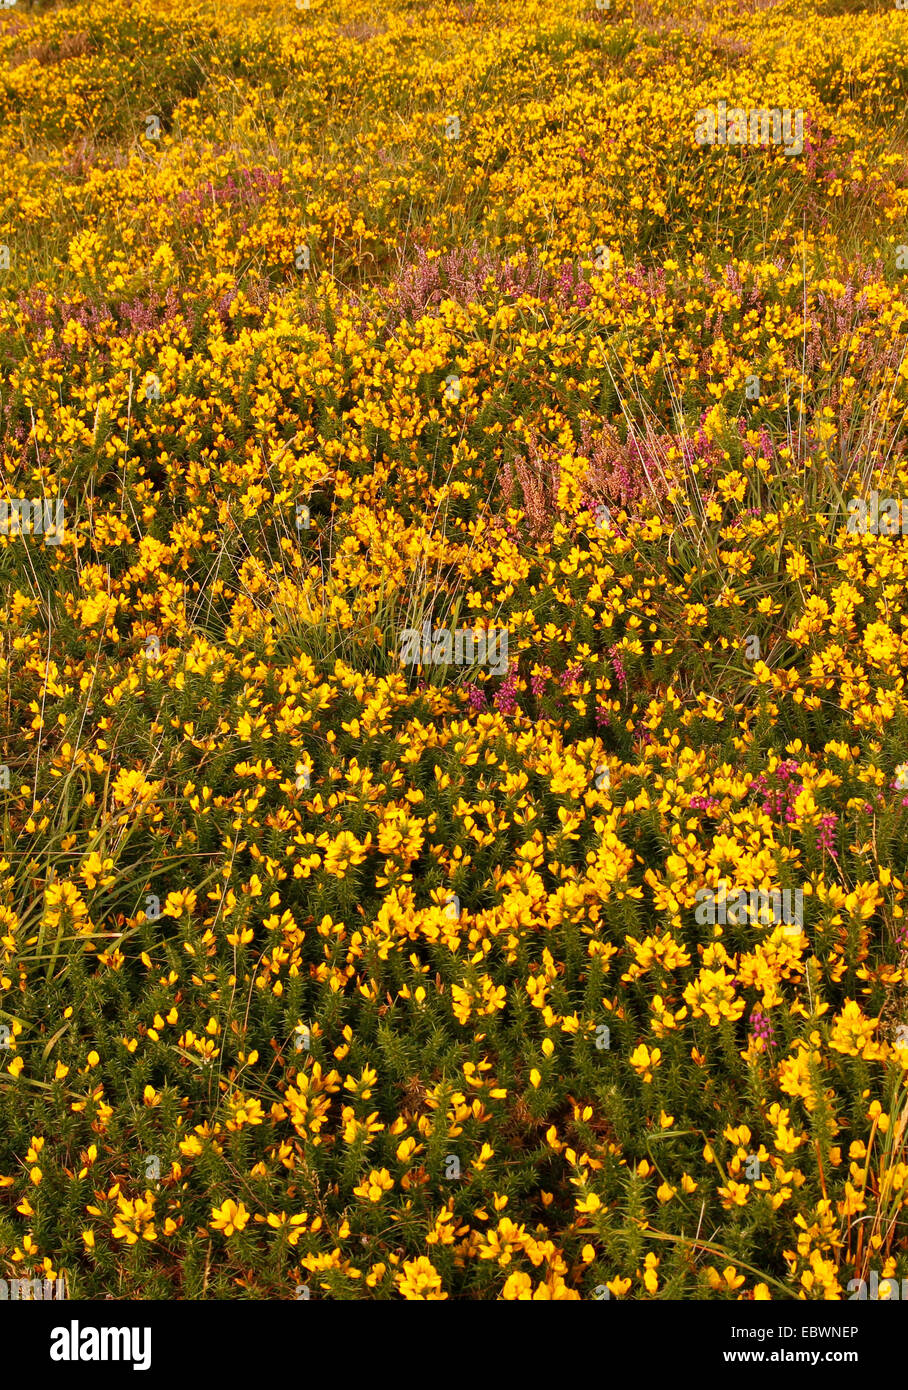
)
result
[(419, 1281), (229, 1217), (374, 1187), (134, 1219)]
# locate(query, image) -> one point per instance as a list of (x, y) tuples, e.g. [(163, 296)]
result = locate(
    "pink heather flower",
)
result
[(572, 674), (538, 682), (618, 667), (572, 289), (733, 279), (779, 801), (762, 1029), (826, 837)]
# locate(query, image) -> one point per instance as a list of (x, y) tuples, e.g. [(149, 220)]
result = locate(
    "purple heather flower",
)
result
[(506, 695)]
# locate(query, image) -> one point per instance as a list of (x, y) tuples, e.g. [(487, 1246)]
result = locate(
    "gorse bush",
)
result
[(340, 965)]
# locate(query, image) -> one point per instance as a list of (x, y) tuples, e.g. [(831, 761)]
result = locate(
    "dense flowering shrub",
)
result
[(326, 972)]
